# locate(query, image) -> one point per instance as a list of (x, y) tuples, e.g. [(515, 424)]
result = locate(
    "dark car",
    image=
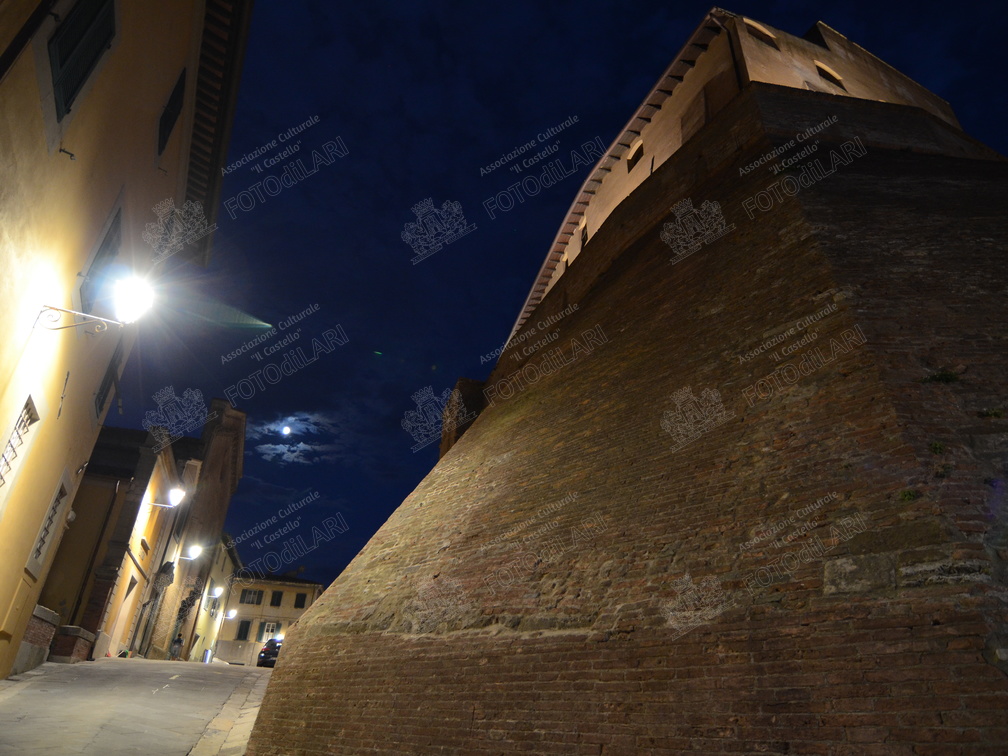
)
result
[(268, 655)]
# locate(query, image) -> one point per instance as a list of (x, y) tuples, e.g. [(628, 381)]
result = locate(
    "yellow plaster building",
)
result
[(145, 557), (108, 109), (262, 607)]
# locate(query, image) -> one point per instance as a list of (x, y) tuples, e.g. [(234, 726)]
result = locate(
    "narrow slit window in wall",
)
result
[(830, 75), (636, 153)]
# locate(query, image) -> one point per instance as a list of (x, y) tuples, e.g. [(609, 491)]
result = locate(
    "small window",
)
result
[(77, 46), (171, 113), (276, 598), (26, 419), (299, 600), (584, 235), (243, 630), (106, 255), (760, 32), (830, 75), (636, 153), (250, 596), (48, 532)]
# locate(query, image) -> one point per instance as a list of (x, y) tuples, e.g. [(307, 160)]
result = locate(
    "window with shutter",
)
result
[(106, 255), (8, 455), (77, 46), (171, 113), (49, 531)]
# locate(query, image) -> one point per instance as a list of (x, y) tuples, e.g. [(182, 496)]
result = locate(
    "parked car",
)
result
[(268, 655)]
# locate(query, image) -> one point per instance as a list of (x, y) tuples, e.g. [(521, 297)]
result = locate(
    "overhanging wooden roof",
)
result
[(222, 51)]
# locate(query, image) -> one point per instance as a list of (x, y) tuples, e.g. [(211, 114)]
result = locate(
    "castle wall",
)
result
[(533, 594)]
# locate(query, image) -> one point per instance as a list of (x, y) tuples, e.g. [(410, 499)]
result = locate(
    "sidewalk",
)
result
[(131, 706)]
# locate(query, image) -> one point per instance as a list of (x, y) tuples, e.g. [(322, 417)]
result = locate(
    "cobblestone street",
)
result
[(130, 706)]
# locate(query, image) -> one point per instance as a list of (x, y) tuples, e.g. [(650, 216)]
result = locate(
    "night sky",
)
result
[(424, 95)]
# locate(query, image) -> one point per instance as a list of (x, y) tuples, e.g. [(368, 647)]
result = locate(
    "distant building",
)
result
[(264, 606), (212, 613), (137, 566), (111, 114), (174, 606)]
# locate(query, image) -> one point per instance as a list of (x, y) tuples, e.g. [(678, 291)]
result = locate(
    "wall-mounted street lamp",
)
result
[(175, 497), (132, 297), (232, 613), (218, 591), (194, 552)]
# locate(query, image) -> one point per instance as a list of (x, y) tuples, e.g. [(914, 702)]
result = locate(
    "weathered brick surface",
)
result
[(884, 644), (39, 633), (71, 647)]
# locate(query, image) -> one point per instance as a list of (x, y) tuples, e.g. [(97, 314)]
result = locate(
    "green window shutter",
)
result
[(262, 629), (278, 627)]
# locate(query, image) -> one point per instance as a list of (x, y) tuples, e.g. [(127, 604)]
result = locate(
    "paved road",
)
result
[(130, 706)]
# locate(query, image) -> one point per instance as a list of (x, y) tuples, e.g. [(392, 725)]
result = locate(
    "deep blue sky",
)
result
[(423, 95)]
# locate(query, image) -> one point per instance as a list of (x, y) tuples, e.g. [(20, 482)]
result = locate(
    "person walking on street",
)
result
[(176, 648)]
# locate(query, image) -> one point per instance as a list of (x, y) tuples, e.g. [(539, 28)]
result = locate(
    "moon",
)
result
[(286, 430)]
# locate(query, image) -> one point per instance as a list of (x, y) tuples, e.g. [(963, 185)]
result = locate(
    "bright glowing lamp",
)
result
[(218, 591), (232, 613), (194, 551), (175, 496), (132, 297)]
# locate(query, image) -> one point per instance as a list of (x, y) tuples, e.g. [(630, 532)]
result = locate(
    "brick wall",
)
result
[(571, 578), (40, 632), (72, 644), (34, 648)]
